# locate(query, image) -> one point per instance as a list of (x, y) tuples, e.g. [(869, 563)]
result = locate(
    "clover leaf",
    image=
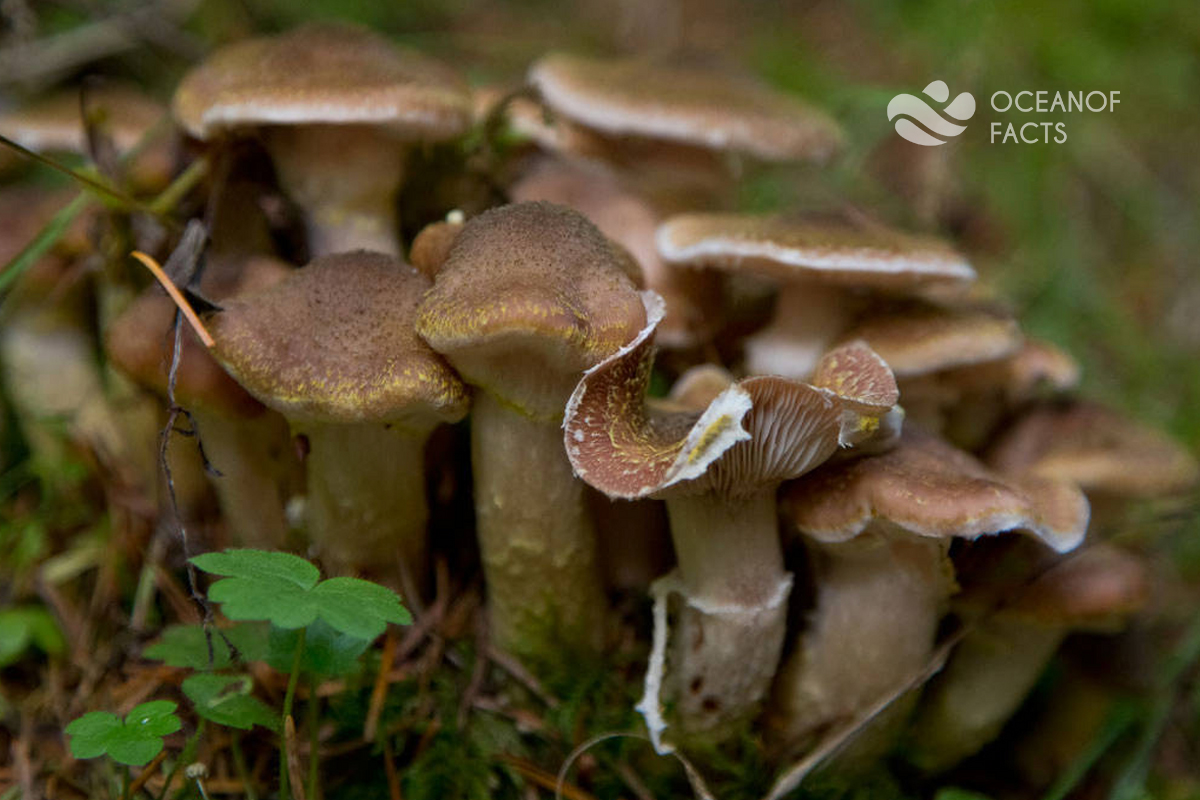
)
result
[(133, 741), (326, 651), (286, 590), (226, 700), (187, 646)]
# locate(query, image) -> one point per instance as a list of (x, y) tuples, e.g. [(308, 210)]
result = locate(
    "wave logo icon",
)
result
[(904, 106)]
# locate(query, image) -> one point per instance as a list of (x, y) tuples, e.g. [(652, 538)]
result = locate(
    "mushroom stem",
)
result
[(249, 454), (345, 177), (878, 602), (366, 505), (730, 631), (808, 319), (991, 672), (537, 540)]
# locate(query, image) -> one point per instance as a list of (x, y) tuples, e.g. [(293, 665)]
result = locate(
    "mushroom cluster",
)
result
[(840, 470)]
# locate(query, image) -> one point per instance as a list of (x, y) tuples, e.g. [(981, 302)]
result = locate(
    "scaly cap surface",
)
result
[(334, 342), (323, 73), (932, 489), (531, 295), (684, 104), (831, 248)]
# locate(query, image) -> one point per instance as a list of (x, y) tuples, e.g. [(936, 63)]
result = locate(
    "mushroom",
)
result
[(635, 139), (684, 110), (635, 547), (56, 124), (1110, 457), (693, 297), (921, 338), (718, 467), (878, 530), (530, 296), (968, 403), (819, 260), (338, 107), (431, 247), (332, 348), (47, 346), (996, 665), (926, 343), (245, 444)]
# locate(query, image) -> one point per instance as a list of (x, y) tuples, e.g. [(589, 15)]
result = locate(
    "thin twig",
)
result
[(379, 692), (147, 772), (99, 187), (176, 296)]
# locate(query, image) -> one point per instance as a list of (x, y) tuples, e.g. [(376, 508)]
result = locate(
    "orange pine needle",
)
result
[(179, 300)]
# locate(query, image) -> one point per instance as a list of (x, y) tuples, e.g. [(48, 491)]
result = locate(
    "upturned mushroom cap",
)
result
[(1094, 589), (923, 338), (1097, 449), (334, 342), (139, 342), (55, 124), (323, 73), (531, 295), (929, 488), (756, 432), (831, 248), (688, 105)]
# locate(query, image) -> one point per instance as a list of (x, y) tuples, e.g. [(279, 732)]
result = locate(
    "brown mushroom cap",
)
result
[(1092, 589), (699, 386), (754, 433), (1035, 366), (693, 297), (922, 338), (689, 105), (1097, 449), (55, 124), (830, 248), (932, 489), (140, 342), (431, 246), (334, 342), (323, 73), (531, 295)]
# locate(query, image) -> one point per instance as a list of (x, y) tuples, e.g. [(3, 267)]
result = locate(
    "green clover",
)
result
[(286, 590), (187, 646), (133, 741), (226, 700)]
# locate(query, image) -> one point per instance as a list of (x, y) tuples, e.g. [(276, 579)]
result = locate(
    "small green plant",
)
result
[(332, 621), (286, 591), (132, 741), (284, 615), (25, 626), (226, 700)]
